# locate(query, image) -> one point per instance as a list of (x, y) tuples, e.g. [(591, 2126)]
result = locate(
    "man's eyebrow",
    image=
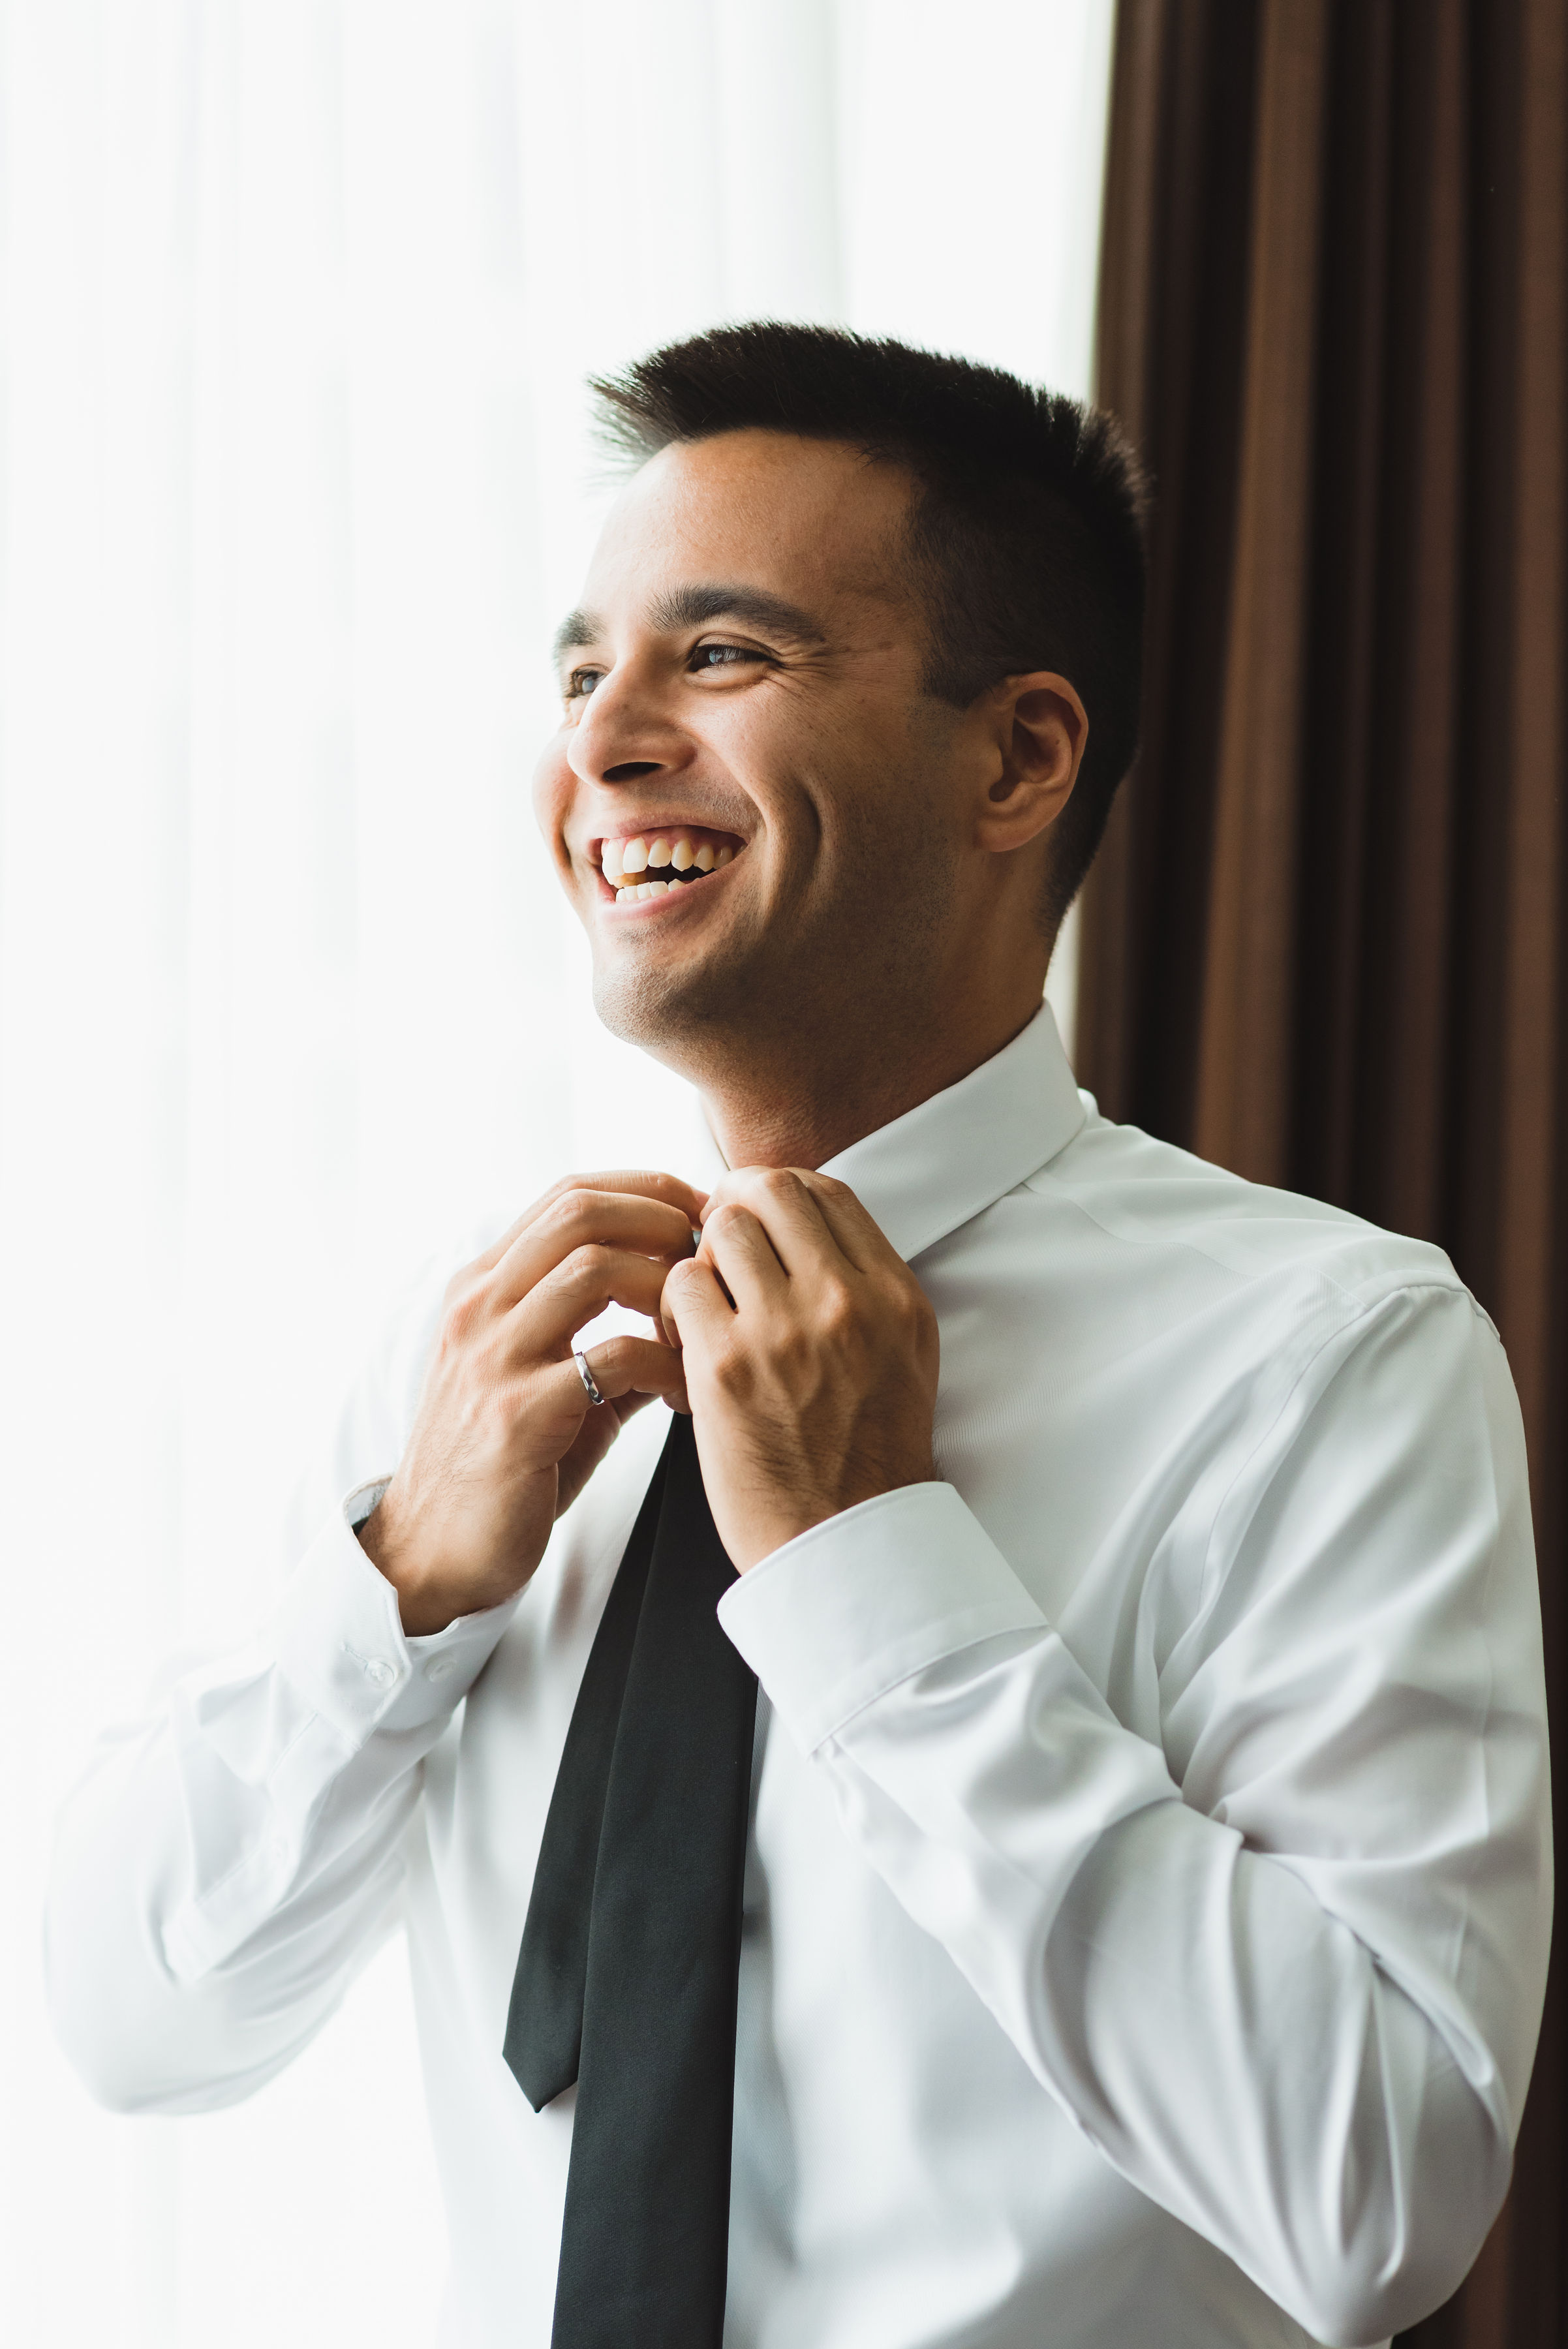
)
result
[(694, 607), (577, 628)]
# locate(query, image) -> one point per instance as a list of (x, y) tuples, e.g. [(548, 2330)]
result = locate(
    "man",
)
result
[(1135, 1834)]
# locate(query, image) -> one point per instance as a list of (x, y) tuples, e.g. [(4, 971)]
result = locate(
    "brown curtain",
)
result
[(1327, 943)]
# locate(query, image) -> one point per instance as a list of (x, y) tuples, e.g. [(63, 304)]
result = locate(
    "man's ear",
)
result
[(1039, 728)]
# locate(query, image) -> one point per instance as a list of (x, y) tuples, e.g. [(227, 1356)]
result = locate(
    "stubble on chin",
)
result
[(674, 1012), (826, 992)]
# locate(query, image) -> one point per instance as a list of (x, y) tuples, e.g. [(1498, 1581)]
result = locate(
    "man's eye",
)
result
[(712, 657), (582, 682)]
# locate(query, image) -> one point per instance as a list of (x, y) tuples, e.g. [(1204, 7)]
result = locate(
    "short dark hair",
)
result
[(1026, 534)]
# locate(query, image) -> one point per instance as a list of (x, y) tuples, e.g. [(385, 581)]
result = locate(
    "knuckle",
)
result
[(840, 1307), (586, 1264), (571, 1209), (460, 1317), (551, 1199)]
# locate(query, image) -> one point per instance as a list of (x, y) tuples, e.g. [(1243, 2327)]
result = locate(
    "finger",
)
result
[(557, 1307), (577, 1220), (695, 1309), (738, 1247), (789, 1212), (627, 1406), (637, 1367), (853, 1226), (595, 1433), (592, 1441), (636, 1182)]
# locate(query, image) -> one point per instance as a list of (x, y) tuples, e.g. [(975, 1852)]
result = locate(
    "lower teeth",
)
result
[(627, 890)]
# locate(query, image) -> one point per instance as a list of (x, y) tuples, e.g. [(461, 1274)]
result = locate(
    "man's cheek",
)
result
[(552, 797)]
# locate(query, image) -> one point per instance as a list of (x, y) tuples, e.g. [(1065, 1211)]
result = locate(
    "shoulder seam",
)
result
[(1360, 1294)]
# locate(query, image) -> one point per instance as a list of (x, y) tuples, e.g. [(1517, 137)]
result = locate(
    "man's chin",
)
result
[(660, 1006)]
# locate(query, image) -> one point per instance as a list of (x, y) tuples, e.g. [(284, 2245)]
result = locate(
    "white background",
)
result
[(297, 300)]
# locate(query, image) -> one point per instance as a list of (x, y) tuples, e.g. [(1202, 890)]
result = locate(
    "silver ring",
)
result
[(586, 1376)]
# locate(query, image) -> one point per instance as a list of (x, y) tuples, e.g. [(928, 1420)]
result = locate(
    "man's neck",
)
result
[(805, 1112)]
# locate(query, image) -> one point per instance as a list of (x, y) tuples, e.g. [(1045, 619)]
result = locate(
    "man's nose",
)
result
[(623, 732)]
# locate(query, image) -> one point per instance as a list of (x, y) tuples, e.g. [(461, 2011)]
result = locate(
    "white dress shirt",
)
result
[(1148, 1883)]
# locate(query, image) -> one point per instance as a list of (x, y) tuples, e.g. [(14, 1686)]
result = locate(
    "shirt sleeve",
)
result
[(1282, 1961), (229, 1860)]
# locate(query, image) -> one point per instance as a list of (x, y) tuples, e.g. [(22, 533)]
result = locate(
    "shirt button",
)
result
[(379, 1670), (440, 1668)]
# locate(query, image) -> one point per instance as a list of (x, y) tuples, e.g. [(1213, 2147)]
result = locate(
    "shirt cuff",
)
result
[(339, 1639), (835, 1619)]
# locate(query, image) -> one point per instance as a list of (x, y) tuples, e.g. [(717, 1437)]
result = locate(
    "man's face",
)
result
[(747, 752)]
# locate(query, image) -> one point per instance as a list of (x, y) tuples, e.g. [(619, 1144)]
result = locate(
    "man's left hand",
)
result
[(811, 1358)]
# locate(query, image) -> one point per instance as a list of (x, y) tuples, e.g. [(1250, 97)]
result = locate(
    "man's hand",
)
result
[(811, 1358), (505, 1437)]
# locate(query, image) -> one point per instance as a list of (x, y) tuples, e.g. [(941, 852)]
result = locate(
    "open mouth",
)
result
[(651, 864)]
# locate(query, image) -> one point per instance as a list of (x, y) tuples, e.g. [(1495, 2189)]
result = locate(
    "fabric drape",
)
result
[(1326, 942)]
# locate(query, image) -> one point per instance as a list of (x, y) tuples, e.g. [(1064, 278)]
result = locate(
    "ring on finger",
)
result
[(586, 1376)]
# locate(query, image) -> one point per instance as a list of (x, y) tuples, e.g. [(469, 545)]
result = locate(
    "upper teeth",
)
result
[(621, 859)]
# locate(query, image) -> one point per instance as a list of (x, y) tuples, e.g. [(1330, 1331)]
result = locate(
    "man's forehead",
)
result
[(759, 525), (753, 466)]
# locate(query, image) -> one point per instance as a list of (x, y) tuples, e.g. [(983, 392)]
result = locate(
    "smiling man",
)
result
[(1016, 1811)]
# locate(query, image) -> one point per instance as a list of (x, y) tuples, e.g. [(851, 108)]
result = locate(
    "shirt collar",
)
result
[(952, 1156)]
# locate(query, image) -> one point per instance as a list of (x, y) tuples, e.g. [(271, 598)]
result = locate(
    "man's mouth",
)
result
[(651, 864)]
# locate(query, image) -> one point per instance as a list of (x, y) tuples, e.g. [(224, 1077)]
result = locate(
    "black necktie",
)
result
[(626, 1977)]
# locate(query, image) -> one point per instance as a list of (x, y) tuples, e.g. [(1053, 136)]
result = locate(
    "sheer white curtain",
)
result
[(298, 295)]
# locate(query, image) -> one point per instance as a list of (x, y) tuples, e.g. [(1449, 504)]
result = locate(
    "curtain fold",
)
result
[(1326, 942)]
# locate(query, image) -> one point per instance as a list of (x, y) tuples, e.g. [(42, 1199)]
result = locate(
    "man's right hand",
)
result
[(505, 1436)]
